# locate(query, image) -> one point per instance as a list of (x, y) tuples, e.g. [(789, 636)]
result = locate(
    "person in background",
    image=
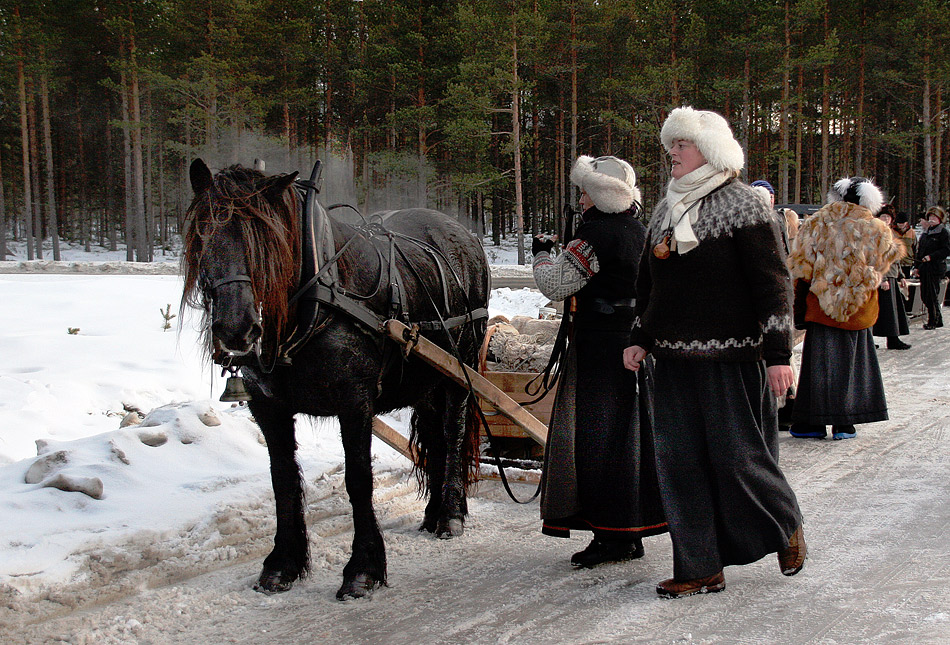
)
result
[(891, 318), (838, 261), (765, 190), (788, 222), (599, 468), (905, 234), (933, 247), (713, 307)]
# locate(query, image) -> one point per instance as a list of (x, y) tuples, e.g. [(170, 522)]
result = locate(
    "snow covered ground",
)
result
[(111, 432), (149, 509)]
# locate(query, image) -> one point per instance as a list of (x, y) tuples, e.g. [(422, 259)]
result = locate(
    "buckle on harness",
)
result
[(411, 336)]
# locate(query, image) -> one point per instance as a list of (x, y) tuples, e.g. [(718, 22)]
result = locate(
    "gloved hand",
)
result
[(542, 243)]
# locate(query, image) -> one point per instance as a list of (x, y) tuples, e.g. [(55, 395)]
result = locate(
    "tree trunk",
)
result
[(799, 118), (516, 138), (142, 244), (3, 215), (27, 219), (783, 117), (859, 126), (746, 122), (926, 118), (938, 146), (48, 152), (110, 218), (128, 216), (35, 174), (825, 109), (574, 46)]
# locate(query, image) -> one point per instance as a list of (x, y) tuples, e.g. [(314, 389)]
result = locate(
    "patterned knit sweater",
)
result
[(728, 299)]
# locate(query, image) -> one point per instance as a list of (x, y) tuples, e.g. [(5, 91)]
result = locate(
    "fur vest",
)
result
[(843, 251)]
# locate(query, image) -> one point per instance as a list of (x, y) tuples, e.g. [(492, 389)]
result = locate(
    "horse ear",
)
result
[(276, 185), (201, 178)]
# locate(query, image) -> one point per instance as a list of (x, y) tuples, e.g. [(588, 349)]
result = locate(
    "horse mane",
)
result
[(270, 229)]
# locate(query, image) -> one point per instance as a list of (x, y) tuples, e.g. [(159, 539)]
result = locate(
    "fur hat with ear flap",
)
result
[(711, 134), (857, 190), (938, 212), (610, 182)]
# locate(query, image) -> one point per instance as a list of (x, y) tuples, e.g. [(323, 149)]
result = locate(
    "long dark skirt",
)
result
[(929, 293), (840, 380), (726, 499), (892, 317), (599, 463)]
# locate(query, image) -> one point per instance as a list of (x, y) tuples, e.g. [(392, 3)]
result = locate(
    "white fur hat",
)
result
[(857, 190), (610, 182), (711, 134)]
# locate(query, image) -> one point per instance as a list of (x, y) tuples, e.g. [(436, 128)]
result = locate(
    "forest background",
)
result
[(473, 107)]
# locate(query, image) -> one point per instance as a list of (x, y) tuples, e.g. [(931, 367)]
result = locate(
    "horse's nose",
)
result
[(236, 338)]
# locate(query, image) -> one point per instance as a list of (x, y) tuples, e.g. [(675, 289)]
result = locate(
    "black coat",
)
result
[(936, 244)]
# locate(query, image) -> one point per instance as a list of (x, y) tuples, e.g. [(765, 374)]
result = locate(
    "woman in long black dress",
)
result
[(599, 472)]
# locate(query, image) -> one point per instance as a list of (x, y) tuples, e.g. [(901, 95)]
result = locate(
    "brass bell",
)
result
[(234, 389)]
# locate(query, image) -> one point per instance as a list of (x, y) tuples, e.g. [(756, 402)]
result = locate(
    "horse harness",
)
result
[(319, 285)]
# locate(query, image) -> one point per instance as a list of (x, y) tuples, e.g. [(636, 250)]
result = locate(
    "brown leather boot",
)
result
[(675, 589), (792, 558)]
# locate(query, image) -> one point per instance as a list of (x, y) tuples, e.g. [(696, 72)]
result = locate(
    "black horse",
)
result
[(244, 247)]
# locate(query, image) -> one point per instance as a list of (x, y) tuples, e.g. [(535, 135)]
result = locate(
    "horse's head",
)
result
[(241, 239)]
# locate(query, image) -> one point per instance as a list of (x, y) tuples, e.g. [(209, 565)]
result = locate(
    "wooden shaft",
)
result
[(448, 365)]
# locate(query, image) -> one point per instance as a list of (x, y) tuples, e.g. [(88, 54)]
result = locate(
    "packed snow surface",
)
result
[(136, 508)]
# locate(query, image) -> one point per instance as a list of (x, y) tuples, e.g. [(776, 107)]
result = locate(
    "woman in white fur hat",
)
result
[(599, 473), (714, 307), (838, 260)]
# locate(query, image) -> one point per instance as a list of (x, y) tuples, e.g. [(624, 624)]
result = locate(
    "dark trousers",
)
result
[(726, 499), (929, 288)]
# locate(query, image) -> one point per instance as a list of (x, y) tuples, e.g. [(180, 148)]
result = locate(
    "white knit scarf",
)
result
[(680, 195)]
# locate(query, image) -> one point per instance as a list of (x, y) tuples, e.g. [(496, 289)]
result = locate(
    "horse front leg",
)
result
[(290, 558), (366, 569)]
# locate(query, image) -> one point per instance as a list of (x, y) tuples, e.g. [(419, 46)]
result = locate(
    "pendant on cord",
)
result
[(662, 249)]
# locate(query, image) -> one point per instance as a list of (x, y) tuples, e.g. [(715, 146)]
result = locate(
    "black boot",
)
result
[(601, 550), (843, 432), (893, 342)]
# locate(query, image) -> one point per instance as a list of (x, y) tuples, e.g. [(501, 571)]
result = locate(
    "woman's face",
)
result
[(685, 158), (886, 218), (585, 201), (933, 220)]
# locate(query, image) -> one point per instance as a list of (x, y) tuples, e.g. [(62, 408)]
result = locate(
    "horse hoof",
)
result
[(271, 582), (450, 529), (428, 526), (361, 586)]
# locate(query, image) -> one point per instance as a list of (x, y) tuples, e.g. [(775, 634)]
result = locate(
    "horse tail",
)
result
[(428, 445), (472, 442), (419, 452)]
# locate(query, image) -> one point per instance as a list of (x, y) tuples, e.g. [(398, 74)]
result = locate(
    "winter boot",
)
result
[(601, 550), (894, 342), (673, 588), (843, 432), (807, 431)]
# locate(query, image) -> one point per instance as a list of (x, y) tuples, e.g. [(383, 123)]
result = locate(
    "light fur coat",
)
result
[(843, 251)]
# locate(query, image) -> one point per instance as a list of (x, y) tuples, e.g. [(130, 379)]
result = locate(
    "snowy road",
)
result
[(877, 524)]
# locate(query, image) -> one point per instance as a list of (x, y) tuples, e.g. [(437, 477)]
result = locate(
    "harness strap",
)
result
[(455, 321), (397, 308), (350, 307), (229, 279)]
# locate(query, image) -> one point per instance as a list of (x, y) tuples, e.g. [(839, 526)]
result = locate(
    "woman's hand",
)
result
[(633, 356), (780, 378), (885, 285)]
